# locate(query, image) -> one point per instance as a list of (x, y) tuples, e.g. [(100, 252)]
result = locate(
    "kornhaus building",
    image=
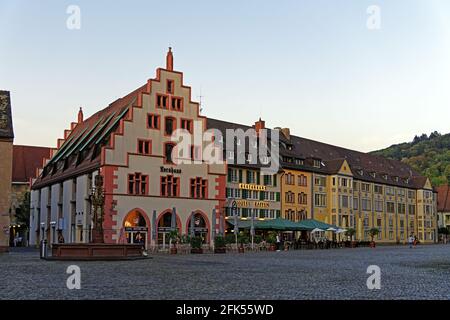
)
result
[(130, 144)]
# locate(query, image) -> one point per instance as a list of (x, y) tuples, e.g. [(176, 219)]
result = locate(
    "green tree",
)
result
[(373, 232), (22, 214)]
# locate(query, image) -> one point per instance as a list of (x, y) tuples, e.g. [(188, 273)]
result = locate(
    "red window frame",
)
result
[(170, 186), (137, 184), (190, 122), (174, 125), (161, 105), (199, 188), (170, 86), (172, 99), (165, 158), (158, 121), (144, 151)]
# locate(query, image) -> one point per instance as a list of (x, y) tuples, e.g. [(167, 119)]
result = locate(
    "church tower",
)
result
[(6, 153)]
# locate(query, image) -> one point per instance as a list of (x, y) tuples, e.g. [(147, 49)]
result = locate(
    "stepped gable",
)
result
[(81, 150)]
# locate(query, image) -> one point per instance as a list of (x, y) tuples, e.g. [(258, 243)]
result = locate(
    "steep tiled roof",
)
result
[(364, 166), (443, 198), (6, 126), (26, 159), (81, 150)]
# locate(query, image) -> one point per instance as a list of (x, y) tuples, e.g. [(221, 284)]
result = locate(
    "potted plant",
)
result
[(351, 233), (173, 239), (373, 232), (196, 244), (219, 245), (272, 240)]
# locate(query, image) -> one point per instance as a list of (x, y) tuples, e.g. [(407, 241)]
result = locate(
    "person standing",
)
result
[(410, 241), (278, 242)]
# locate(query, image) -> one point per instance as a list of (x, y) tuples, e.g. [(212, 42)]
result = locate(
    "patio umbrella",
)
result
[(173, 220), (221, 225), (317, 230), (191, 230), (332, 229), (154, 227), (341, 230)]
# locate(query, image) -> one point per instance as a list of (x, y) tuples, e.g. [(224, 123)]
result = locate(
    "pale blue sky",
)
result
[(313, 66)]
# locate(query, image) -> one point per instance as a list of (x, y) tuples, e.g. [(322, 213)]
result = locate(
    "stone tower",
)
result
[(6, 153)]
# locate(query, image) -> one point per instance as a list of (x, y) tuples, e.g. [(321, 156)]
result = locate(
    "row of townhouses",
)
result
[(131, 144)]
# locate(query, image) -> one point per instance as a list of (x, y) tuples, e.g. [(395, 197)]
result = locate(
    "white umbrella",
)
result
[(341, 230), (331, 229), (317, 230)]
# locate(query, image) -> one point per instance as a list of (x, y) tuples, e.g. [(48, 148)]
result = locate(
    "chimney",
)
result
[(80, 115), (169, 60), (286, 133), (260, 124)]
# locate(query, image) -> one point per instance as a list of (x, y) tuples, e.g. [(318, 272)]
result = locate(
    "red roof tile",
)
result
[(443, 198), (26, 159)]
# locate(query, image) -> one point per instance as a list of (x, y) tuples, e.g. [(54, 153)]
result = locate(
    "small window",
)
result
[(144, 147), (153, 121), (162, 101), (170, 87), (168, 148), (177, 104), (169, 125), (186, 124)]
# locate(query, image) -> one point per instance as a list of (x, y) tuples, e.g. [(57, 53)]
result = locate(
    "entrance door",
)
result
[(136, 229)]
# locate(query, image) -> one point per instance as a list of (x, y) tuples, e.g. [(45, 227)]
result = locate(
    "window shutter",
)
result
[(229, 175), (277, 196), (248, 177), (261, 195), (274, 180), (258, 178), (240, 175)]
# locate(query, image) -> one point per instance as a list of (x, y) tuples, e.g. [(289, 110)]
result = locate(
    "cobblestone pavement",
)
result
[(420, 273)]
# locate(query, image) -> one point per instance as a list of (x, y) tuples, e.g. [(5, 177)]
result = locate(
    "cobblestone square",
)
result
[(420, 273)]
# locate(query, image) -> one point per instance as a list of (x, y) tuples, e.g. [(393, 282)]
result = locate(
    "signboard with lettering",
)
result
[(254, 187), (169, 170)]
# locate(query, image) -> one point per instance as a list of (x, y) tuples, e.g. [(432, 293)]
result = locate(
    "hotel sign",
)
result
[(254, 187), (255, 204)]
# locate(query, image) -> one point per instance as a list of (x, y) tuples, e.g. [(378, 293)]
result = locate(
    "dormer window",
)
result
[(396, 179), (299, 162), (317, 163), (289, 146), (385, 176), (360, 172), (373, 174)]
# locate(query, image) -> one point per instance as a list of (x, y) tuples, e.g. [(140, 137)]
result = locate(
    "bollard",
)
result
[(43, 249)]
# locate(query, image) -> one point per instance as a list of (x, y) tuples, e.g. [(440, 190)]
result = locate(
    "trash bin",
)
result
[(43, 250)]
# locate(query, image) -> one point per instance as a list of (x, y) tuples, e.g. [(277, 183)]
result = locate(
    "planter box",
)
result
[(173, 250), (241, 250), (273, 247), (196, 250), (220, 250)]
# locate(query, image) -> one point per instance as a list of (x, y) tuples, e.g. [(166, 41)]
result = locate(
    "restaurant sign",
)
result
[(254, 187)]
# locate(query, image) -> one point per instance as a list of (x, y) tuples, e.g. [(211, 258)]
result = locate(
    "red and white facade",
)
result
[(140, 181)]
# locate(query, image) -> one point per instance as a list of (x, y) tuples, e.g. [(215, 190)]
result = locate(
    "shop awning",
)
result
[(271, 224), (311, 224)]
